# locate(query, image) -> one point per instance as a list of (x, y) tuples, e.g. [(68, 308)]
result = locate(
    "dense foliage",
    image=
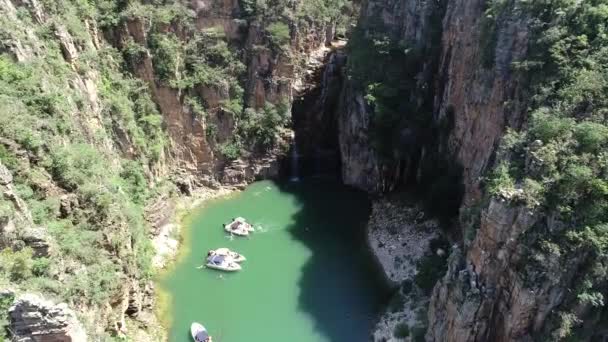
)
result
[(395, 77), (89, 139), (58, 143), (338, 12), (194, 60), (384, 69), (260, 128), (559, 163)]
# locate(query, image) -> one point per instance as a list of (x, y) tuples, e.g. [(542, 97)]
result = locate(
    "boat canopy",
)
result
[(202, 336), (218, 259)]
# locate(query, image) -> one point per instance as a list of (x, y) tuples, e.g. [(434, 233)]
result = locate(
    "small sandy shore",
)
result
[(166, 240)]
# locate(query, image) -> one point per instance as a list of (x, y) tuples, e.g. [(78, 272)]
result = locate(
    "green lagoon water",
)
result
[(308, 277)]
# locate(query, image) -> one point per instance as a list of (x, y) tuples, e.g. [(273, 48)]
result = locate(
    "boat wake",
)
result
[(261, 229)]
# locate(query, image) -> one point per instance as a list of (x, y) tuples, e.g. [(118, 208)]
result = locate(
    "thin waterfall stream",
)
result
[(295, 165)]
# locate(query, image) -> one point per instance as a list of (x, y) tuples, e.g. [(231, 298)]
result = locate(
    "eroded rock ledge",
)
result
[(34, 319)]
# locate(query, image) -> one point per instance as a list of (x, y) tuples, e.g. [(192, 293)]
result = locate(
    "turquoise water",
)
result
[(308, 277)]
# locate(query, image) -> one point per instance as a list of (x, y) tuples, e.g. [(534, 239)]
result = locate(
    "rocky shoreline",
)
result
[(400, 237), (166, 218)]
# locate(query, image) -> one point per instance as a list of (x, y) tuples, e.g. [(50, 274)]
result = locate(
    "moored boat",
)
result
[(227, 253), (223, 263), (199, 333), (239, 227)]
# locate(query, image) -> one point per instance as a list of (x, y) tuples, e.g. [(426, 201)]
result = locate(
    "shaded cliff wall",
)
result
[(315, 110), (477, 86), (466, 102), (408, 23), (507, 279), (470, 94)]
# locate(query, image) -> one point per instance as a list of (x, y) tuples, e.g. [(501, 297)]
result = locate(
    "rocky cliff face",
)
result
[(404, 21), (36, 320), (471, 104), (360, 163), (481, 97), (270, 76), (101, 118), (483, 296), (493, 291), (500, 290)]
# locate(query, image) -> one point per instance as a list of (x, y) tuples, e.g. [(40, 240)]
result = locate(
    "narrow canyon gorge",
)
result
[(475, 127)]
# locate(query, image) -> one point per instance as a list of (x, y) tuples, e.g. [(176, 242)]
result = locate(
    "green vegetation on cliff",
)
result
[(86, 146), (395, 76), (559, 163), (384, 69), (81, 138)]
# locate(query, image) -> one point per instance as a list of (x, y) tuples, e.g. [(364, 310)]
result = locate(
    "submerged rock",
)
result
[(33, 319)]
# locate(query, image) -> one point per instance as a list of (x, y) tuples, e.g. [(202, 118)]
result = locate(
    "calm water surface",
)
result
[(308, 277)]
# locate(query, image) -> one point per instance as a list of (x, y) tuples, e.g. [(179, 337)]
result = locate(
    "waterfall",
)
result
[(328, 73), (294, 162)]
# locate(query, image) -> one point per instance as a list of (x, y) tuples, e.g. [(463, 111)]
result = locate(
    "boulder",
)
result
[(38, 239), (33, 319), (67, 204), (6, 177)]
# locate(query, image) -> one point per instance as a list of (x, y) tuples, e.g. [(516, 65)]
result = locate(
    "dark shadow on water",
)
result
[(341, 286)]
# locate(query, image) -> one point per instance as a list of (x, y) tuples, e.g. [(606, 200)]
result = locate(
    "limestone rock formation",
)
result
[(33, 319)]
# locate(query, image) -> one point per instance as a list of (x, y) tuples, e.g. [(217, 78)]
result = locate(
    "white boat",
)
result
[(199, 333), (228, 253), (223, 263), (239, 227)]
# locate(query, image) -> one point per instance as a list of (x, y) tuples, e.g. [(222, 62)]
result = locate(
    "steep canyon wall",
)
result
[(108, 110), (466, 85)]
